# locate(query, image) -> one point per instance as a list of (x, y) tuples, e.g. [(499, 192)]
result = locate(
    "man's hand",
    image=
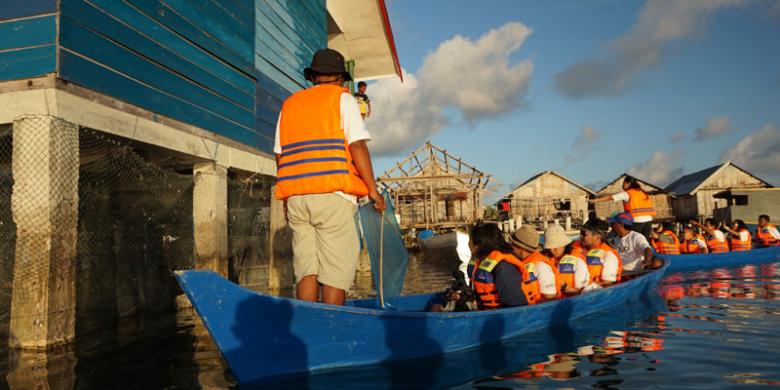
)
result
[(378, 199)]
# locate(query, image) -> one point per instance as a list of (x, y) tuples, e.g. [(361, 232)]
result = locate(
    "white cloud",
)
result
[(678, 137), (474, 78), (660, 169), (759, 153), (660, 23), (586, 139), (714, 128)]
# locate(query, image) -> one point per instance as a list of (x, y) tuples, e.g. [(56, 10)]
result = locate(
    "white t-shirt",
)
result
[(610, 270), (623, 197), (464, 253), (352, 123), (718, 235), (632, 250), (773, 231), (581, 273), (546, 278), (744, 236)]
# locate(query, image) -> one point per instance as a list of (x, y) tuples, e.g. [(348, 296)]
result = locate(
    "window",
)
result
[(740, 200)]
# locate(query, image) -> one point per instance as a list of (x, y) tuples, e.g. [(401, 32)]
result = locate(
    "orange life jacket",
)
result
[(595, 261), (315, 155), (716, 246), (764, 237), (639, 204), (666, 248), (578, 251), (738, 245), (537, 257), (688, 246), (481, 272), (565, 271)]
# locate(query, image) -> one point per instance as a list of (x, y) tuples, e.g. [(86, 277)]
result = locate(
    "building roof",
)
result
[(360, 30), (690, 183), (655, 188), (430, 165), (540, 174)]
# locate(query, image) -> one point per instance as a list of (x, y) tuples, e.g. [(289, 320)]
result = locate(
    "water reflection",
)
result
[(746, 282)]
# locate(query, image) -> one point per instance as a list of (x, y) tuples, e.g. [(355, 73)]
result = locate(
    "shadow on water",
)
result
[(283, 361), (562, 334)]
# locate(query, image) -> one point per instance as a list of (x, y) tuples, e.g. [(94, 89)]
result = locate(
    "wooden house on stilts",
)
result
[(433, 189)]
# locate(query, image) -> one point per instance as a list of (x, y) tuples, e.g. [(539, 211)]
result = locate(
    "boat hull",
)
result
[(715, 260), (266, 339)]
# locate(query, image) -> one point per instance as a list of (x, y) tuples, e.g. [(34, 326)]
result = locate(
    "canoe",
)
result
[(266, 339), (439, 242), (715, 260)]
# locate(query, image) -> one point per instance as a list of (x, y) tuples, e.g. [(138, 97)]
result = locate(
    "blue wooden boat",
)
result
[(266, 339), (728, 259)]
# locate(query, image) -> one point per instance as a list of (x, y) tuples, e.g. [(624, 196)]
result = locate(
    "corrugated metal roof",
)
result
[(686, 184)]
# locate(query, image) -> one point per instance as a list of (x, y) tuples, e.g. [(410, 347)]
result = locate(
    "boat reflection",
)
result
[(746, 282)]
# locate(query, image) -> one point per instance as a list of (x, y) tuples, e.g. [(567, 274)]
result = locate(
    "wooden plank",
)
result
[(86, 42), (236, 31), (276, 75), (295, 24), (287, 45), (26, 63), (277, 56), (172, 20), (277, 91), (90, 75), (200, 67), (20, 8), (28, 32)]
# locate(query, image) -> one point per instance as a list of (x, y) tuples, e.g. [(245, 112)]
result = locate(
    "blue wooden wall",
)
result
[(189, 60), (28, 31), (222, 65), (287, 33)]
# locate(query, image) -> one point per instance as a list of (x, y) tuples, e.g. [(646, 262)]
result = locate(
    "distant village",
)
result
[(436, 190)]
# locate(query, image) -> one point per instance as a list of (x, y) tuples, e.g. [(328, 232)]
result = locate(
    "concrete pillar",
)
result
[(45, 209), (210, 215), (568, 223), (557, 221), (519, 221), (511, 225), (281, 275)]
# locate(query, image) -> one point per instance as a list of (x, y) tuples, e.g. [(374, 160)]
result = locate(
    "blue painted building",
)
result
[(223, 66)]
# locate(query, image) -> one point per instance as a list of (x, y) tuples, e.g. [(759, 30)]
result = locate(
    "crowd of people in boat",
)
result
[(714, 236), (523, 271)]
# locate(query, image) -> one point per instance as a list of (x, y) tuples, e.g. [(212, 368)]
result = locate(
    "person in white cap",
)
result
[(573, 274)]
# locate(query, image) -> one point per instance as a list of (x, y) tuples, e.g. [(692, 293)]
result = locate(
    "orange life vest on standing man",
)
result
[(639, 204), (315, 155), (481, 272)]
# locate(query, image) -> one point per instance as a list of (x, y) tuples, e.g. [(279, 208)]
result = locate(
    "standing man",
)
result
[(637, 203), (323, 166), (766, 233), (633, 247)]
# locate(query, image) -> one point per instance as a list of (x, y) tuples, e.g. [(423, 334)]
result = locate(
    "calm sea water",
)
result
[(712, 329)]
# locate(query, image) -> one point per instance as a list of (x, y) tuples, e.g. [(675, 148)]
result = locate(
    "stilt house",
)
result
[(433, 189), (547, 196), (695, 193)]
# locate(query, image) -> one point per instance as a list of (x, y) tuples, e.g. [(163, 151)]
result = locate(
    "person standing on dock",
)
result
[(363, 101), (323, 166), (635, 202), (766, 233), (525, 246)]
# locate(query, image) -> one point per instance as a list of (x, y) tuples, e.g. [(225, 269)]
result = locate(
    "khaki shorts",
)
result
[(325, 238)]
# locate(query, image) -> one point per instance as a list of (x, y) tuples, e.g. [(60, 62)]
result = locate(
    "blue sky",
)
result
[(632, 81)]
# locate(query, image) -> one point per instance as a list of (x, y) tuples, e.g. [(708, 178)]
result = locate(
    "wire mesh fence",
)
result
[(122, 221)]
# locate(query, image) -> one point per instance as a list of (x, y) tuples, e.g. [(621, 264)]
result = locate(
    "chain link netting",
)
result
[(119, 215)]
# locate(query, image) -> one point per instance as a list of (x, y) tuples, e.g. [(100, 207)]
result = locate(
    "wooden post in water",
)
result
[(209, 213), (45, 209)]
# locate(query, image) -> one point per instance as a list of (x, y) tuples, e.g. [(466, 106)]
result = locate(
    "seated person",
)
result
[(497, 276), (572, 271), (525, 246), (740, 237), (665, 241), (693, 242), (716, 240), (603, 261), (635, 252), (766, 233)]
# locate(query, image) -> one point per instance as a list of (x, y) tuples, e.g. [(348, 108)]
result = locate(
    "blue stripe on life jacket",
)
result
[(313, 142), (311, 160), (318, 173), (312, 148)]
